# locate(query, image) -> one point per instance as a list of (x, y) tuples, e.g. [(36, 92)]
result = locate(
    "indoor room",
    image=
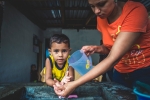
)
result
[(26, 29)]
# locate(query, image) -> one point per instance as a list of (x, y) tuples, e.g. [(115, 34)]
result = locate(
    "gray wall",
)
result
[(50, 31), (16, 52), (83, 37)]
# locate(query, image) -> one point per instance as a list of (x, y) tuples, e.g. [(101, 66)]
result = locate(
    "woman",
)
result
[(125, 33)]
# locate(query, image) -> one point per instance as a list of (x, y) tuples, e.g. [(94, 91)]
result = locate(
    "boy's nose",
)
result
[(60, 54)]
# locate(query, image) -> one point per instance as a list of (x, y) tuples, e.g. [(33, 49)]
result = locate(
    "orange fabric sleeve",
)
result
[(134, 22)]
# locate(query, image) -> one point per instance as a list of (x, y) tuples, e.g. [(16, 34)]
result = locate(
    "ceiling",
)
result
[(67, 14)]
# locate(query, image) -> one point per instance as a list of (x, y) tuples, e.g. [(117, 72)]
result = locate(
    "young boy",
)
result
[(57, 66)]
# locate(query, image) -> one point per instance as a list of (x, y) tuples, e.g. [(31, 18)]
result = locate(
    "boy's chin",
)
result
[(60, 63)]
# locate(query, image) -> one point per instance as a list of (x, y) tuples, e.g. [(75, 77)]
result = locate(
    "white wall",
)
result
[(16, 52), (83, 37)]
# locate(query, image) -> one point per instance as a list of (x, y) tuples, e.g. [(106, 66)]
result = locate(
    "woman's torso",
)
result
[(138, 56)]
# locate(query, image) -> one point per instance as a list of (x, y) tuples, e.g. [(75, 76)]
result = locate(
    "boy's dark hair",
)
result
[(59, 38)]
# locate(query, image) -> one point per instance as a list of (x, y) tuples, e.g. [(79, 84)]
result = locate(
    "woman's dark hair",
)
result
[(124, 0), (59, 38)]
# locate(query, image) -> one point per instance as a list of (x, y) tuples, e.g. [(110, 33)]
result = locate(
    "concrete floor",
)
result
[(88, 91)]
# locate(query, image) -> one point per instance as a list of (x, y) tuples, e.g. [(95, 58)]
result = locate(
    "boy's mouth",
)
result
[(59, 59)]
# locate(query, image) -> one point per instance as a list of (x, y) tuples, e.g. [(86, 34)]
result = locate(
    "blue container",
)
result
[(141, 96), (80, 62)]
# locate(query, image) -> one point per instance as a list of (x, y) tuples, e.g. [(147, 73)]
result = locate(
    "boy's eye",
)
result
[(56, 51), (64, 50)]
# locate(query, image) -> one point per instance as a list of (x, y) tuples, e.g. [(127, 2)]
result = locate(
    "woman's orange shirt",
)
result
[(134, 18)]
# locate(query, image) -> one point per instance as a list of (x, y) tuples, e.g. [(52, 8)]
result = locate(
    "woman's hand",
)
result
[(64, 90), (90, 49)]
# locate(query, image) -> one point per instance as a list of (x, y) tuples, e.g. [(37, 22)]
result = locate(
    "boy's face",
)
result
[(60, 52)]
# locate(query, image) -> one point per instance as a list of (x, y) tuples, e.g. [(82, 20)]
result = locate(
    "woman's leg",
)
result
[(142, 75), (121, 78)]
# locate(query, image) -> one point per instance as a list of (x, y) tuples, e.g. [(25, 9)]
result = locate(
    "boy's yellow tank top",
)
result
[(58, 73)]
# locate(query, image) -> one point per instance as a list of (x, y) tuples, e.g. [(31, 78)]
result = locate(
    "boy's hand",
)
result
[(57, 84), (66, 78)]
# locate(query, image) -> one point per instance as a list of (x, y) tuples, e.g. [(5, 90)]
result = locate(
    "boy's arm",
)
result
[(71, 73), (48, 76), (69, 76)]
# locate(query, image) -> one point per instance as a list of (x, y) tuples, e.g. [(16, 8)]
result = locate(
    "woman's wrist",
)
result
[(97, 49), (76, 83), (79, 81), (101, 49)]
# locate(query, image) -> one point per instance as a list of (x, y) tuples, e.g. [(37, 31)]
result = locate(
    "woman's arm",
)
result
[(48, 76), (123, 43)]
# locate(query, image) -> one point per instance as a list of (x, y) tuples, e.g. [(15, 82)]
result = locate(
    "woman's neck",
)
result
[(116, 12)]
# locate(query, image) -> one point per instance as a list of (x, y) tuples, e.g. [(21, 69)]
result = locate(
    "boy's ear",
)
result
[(70, 50), (49, 50)]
